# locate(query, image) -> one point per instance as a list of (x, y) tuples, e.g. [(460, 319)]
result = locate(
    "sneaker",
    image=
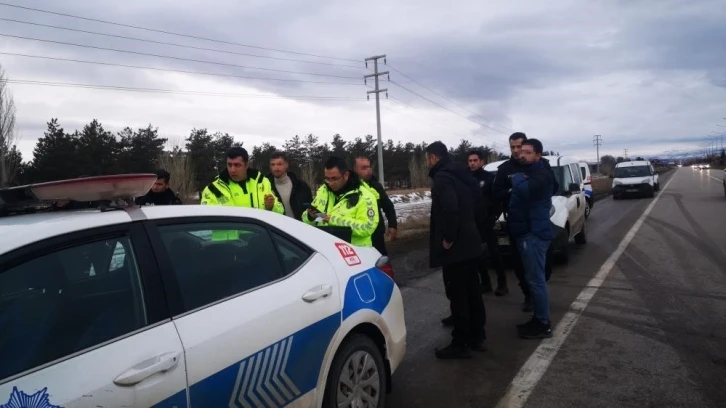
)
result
[(448, 321), (528, 323), (536, 330), (528, 305), (453, 351), (479, 345), (501, 291)]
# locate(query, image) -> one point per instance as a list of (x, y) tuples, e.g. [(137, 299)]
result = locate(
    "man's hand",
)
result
[(326, 218), (392, 234), (269, 201), (447, 244)]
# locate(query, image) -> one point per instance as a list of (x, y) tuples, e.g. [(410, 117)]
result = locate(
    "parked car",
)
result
[(568, 208), (587, 181), (635, 178), (146, 306)]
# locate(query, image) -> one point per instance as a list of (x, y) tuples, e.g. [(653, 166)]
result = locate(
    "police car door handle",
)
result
[(320, 291), (147, 368)]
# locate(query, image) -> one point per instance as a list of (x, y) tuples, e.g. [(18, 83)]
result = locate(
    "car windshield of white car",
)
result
[(634, 171)]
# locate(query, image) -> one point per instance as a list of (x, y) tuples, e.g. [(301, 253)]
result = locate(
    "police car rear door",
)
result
[(83, 323), (255, 314)]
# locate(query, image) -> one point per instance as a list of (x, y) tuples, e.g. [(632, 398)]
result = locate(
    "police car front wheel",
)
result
[(358, 375)]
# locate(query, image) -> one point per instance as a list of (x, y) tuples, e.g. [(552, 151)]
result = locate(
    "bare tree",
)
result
[(308, 173), (8, 162), (418, 171), (179, 165)]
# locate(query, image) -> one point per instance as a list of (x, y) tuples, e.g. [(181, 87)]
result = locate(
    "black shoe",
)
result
[(448, 321), (479, 345), (529, 322), (453, 351), (486, 288), (537, 330), (501, 291), (528, 305)]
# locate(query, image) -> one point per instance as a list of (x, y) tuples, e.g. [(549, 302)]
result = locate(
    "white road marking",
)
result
[(534, 368)]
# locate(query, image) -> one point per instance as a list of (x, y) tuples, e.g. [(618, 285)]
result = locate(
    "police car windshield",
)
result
[(632, 171)]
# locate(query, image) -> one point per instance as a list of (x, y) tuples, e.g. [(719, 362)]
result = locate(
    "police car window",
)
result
[(66, 301), (230, 258), (291, 254), (575, 171), (568, 176)]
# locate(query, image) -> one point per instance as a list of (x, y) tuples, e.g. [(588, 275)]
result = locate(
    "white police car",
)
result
[(143, 307)]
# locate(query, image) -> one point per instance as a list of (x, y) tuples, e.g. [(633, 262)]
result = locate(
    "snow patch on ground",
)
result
[(411, 206)]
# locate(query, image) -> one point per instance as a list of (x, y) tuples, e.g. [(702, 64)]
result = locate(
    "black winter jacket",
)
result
[(167, 197), (385, 206), (300, 197), (454, 196), (492, 206), (503, 183)]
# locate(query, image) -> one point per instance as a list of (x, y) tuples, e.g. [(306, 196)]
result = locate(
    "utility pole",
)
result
[(625, 153), (597, 140), (378, 91)]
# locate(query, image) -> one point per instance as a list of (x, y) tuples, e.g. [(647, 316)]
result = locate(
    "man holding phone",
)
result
[(343, 201), (241, 186)]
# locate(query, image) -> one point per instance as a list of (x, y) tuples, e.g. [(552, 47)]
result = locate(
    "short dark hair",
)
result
[(536, 145), (363, 157), (437, 149), (278, 155), (238, 151), (336, 162), (518, 135), (163, 174), (477, 152)]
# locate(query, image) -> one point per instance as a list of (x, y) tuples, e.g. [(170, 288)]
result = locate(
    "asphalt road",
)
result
[(654, 334)]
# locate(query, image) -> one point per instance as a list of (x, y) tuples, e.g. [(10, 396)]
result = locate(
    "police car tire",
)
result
[(355, 342)]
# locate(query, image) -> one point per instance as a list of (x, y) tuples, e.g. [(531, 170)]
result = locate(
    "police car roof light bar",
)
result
[(86, 189)]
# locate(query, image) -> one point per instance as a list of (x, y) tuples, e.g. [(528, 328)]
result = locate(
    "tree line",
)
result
[(196, 159)]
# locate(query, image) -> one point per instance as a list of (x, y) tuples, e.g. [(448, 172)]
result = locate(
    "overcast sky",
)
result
[(649, 76)]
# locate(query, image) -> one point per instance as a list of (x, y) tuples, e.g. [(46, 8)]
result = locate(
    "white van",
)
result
[(636, 178), (568, 207)]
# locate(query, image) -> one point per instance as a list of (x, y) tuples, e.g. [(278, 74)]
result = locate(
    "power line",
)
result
[(437, 93), (175, 58), (172, 70), (176, 45), (174, 91), (426, 115), (172, 33), (445, 108)]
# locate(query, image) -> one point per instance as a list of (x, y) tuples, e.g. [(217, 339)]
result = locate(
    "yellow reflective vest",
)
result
[(357, 209), (249, 193)]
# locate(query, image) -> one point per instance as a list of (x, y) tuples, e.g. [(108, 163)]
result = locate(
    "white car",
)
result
[(635, 178), (587, 181), (147, 306), (568, 207)]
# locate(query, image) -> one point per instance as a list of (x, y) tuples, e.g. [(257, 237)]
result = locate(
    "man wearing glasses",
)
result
[(343, 201)]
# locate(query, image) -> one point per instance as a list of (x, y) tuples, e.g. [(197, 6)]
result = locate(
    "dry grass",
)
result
[(601, 186), (413, 226)]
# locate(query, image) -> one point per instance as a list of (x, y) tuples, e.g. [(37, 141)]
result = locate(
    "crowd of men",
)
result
[(466, 203)]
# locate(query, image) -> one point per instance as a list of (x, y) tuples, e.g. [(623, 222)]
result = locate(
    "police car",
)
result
[(115, 305)]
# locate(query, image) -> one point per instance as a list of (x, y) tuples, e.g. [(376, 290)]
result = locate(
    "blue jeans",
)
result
[(533, 251)]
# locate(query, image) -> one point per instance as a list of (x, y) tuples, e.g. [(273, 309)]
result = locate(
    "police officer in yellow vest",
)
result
[(240, 186), (345, 202)]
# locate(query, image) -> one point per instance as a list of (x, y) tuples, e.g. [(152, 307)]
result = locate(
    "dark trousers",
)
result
[(519, 267), (379, 240), (495, 260), (461, 283)]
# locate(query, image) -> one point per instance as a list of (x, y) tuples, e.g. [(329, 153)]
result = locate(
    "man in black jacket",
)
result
[(476, 162), (294, 194), (365, 172), (160, 193), (455, 246), (502, 190)]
